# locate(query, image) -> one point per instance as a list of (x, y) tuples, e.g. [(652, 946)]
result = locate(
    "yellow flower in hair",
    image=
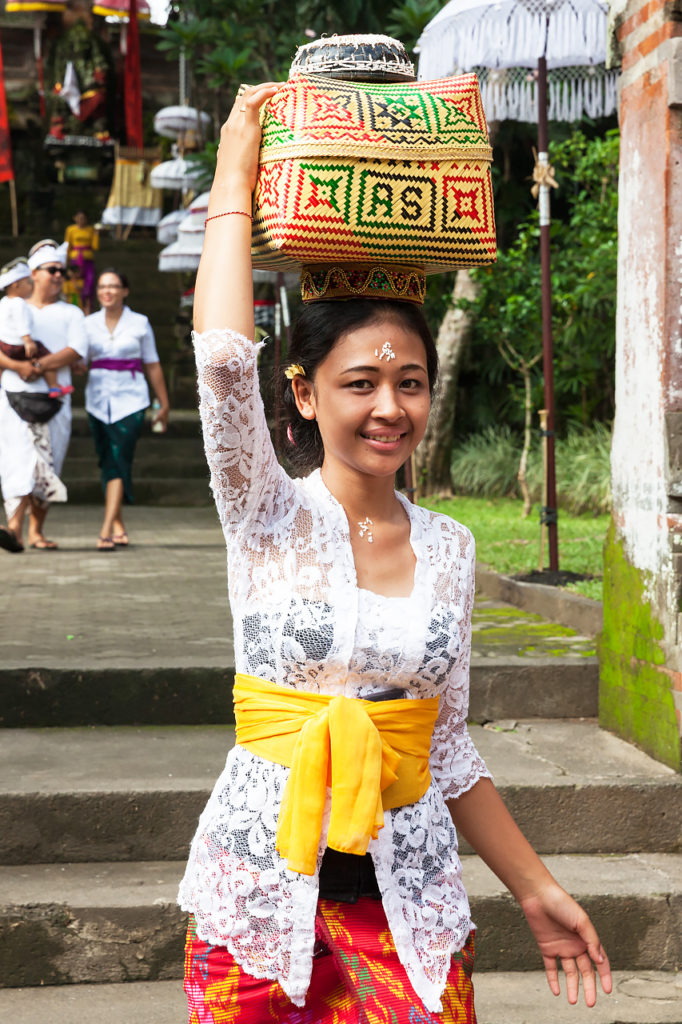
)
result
[(294, 370)]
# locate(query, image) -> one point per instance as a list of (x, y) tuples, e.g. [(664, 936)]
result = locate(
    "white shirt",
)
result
[(110, 395), (16, 320), (300, 621), (58, 325)]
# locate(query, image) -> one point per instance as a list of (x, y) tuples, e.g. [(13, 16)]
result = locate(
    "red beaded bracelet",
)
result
[(227, 213)]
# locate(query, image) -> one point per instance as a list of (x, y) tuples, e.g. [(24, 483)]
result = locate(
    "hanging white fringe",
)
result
[(512, 33), (512, 94)]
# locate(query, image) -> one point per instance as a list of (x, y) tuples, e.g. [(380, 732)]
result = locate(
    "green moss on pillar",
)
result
[(635, 693)]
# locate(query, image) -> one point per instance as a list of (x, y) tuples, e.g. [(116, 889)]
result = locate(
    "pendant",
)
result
[(366, 528)]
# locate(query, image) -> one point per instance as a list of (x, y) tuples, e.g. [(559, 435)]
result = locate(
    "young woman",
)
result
[(121, 350), (352, 615), (83, 242)]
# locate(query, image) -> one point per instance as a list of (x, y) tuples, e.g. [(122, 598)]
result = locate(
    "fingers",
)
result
[(249, 101), (552, 974), (579, 967), (255, 96), (572, 980), (603, 968), (586, 968)]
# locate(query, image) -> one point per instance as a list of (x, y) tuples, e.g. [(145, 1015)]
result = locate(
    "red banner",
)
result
[(6, 169), (132, 82)]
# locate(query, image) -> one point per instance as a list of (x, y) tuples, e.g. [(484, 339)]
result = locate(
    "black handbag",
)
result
[(33, 406)]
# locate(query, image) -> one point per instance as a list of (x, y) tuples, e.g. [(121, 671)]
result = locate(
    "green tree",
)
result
[(225, 43), (507, 307)]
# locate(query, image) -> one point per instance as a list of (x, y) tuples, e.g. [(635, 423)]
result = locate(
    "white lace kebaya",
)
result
[(301, 621)]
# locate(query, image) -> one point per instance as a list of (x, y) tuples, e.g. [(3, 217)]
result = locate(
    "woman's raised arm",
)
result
[(223, 294)]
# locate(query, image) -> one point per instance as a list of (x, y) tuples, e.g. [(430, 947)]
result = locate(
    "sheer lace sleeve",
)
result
[(240, 455), (455, 763)]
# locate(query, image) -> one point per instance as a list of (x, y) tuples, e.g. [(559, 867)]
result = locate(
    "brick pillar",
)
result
[(640, 650)]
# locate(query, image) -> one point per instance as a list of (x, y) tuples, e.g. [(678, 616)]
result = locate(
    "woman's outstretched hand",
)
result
[(563, 931), (223, 294)]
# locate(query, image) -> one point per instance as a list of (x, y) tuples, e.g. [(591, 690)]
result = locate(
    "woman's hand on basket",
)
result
[(240, 136), (563, 931)]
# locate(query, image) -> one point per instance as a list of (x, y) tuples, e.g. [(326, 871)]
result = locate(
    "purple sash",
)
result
[(134, 365)]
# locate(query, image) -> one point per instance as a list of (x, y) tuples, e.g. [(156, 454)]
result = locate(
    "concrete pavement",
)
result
[(163, 601), (646, 997)]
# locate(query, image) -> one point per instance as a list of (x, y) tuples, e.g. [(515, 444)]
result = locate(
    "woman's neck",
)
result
[(363, 496), (112, 317)]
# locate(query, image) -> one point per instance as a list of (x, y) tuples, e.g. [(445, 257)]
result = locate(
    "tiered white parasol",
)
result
[(184, 253), (174, 121), (512, 44), (167, 228), (177, 173), (195, 216)]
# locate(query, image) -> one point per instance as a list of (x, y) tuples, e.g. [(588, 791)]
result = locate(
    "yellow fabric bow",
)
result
[(374, 755), (543, 174)]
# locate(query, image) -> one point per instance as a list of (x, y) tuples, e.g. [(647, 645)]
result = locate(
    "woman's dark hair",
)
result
[(119, 274), (314, 334)]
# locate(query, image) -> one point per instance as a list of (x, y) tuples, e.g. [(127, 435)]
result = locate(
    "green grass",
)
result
[(509, 544)]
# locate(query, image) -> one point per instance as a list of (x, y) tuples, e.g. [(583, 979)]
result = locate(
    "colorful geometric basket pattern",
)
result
[(362, 172)]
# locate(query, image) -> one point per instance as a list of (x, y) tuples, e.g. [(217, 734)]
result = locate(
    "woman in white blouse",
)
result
[(352, 619), (121, 351)]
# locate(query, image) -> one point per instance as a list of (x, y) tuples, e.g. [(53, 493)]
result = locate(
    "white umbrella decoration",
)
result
[(184, 253), (177, 173), (174, 121), (167, 228), (505, 41)]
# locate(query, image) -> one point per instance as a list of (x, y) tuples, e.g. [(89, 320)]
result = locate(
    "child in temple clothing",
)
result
[(16, 322)]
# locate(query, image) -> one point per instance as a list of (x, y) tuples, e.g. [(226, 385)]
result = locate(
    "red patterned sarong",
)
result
[(357, 978)]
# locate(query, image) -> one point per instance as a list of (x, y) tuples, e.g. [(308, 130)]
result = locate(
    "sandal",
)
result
[(43, 544), (105, 544), (9, 541), (120, 539)]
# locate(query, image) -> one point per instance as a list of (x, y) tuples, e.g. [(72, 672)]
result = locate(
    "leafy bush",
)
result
[(584, 245), (486, 464)]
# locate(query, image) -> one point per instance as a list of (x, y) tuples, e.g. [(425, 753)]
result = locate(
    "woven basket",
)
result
[(359, 172)]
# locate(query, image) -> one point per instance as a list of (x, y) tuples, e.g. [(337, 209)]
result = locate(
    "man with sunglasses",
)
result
[(60, 327)]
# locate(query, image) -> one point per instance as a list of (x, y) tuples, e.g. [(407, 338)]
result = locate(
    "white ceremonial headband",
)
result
[(48, 254), (15, 273)]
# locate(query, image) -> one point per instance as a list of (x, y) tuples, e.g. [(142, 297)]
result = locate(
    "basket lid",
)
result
[(354, 58)]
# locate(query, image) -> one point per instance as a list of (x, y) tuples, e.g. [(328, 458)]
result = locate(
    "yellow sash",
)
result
[(373, 754)]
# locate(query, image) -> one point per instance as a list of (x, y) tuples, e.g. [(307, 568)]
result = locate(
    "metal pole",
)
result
[(543, 528), (38, 54), (549, 510)]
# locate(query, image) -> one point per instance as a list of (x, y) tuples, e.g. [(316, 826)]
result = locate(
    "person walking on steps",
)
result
[(122, 356), (352, 617), (61, 328)]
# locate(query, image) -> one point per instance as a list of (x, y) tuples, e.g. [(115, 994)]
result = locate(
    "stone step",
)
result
[(115, 922), (512, 997), (152, 446), (190, 694), (187, 492), (182, 423), (144, 635), (124, 793), (162, 463)]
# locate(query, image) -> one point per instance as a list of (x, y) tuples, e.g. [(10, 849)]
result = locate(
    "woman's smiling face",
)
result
[(370, 397), (111, 293)]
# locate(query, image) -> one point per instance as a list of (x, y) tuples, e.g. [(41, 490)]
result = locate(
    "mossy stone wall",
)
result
[(636, 684)]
